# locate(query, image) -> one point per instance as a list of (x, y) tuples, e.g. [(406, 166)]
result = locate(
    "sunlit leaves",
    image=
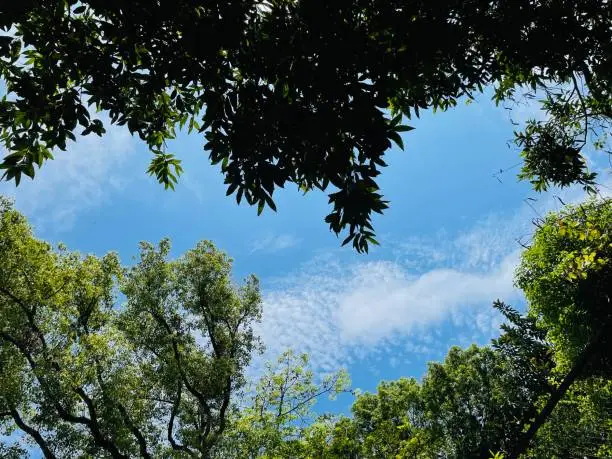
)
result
[(567, 275), (166, 169), (83, 374)]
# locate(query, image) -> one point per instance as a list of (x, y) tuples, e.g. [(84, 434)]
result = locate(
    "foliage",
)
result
[(580, 425), (389, 418), (299, 91), (85, 376), (567, 277), (271, 422), (476, 404), (163, 374)]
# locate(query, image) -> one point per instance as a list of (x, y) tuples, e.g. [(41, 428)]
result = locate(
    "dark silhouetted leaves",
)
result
[(301, 91)]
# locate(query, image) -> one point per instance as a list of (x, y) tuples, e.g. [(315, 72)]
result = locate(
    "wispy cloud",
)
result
[(385, 300), (275, 243), (339, 313), (78, 179), (428, 293)]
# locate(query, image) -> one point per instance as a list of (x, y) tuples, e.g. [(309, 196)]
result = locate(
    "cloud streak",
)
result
[(385, 300), (427, 294), (275, 243)]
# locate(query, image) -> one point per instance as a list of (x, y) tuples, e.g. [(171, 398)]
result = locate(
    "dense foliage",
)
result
[(85, 376), (567, 278), (300, 91), (162, 374), (458, 411)]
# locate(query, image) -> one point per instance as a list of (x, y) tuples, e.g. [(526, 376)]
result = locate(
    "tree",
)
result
[(339, 439), (475, 402), (83, 375), (478, 403), (478, 399), (271, 421), (295, 91), (580, 424), (388, 419), (567, 277)]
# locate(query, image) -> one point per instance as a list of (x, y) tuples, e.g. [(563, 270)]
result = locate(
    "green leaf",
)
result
[(270, 202), (396, 138), (348, 239)]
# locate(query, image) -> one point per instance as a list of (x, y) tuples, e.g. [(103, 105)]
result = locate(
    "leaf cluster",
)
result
[(83, 375), (294, 91)]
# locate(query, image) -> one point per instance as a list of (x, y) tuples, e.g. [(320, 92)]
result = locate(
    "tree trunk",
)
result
[(583, 359)]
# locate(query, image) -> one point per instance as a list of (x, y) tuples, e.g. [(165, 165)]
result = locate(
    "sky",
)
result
[(450, 241)]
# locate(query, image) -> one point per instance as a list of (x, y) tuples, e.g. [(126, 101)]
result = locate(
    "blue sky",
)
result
[(448, 241)]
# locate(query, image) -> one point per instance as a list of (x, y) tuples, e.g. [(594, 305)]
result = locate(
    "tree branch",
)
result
[(583, 359), (63, 413), (35, 434), (94, 427), (173, 412), (142, 443), (29, 314), (306, 400), (177, 358), (583, 106)]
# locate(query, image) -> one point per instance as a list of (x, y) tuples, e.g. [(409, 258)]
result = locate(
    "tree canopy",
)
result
[(566, 276), (84, 376), (102, 360), (468, 407), (299, 91)]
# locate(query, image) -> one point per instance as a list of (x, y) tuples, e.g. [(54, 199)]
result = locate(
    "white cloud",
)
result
[(433, 292), (340, 313), (78, 179), (275, 243), (385, 300)]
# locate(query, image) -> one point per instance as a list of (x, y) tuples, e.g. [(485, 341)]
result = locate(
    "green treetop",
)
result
[(85, 376)]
